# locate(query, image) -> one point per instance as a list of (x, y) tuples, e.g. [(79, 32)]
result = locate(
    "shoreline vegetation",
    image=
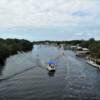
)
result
[(13, 46), (92, 45), (10, 47)]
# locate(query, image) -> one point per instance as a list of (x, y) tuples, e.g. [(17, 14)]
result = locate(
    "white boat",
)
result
[(51, 67), (93, 64)]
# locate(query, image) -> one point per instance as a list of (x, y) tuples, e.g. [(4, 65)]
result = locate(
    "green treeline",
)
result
[(92, 44), (12, 46)]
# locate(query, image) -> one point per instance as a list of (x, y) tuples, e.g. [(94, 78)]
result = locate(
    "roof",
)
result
[(85, 49), (51, 62), (79, 47)]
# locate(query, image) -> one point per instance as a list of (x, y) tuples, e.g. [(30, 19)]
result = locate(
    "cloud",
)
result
[(45, 12), (50, 18)]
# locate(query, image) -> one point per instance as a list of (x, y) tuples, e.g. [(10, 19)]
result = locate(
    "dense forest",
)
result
[(12, 46)]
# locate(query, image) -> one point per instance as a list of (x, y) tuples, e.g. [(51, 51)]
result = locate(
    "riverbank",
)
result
[(13, 46), (92, 45)]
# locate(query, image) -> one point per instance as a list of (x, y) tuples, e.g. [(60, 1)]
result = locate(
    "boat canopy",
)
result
[(51, 62)]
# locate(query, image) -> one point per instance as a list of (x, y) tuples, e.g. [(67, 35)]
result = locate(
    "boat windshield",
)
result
[(52, 66)]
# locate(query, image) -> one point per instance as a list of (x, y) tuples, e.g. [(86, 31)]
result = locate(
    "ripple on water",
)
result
[(73, 79)]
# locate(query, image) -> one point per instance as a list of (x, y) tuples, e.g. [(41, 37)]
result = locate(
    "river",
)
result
[(25, 77)]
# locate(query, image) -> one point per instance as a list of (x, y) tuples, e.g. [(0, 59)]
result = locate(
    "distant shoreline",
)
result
[(13, 46)]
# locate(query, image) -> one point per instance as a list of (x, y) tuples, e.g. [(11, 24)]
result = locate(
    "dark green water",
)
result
[(26, 77)]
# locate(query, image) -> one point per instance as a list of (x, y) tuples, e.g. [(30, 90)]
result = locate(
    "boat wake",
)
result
[(13, 75)]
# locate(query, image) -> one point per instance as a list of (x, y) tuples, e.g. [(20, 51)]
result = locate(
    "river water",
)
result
[(25, 77)]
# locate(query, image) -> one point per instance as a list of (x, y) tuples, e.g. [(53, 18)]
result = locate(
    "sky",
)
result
[(50, 19)]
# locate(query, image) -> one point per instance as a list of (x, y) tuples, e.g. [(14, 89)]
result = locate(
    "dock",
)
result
[(93, 64)]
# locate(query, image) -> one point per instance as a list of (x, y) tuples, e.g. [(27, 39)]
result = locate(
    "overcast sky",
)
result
[(50, 19)]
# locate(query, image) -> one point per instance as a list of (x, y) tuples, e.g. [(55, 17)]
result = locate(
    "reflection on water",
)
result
[(1, 70), (1, 67), (29, 78), (51, 73)]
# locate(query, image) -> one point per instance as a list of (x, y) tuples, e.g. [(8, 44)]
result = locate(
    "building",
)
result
[(82, 51)]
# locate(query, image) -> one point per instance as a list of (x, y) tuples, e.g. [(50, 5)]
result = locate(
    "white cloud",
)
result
[(46, 12)]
